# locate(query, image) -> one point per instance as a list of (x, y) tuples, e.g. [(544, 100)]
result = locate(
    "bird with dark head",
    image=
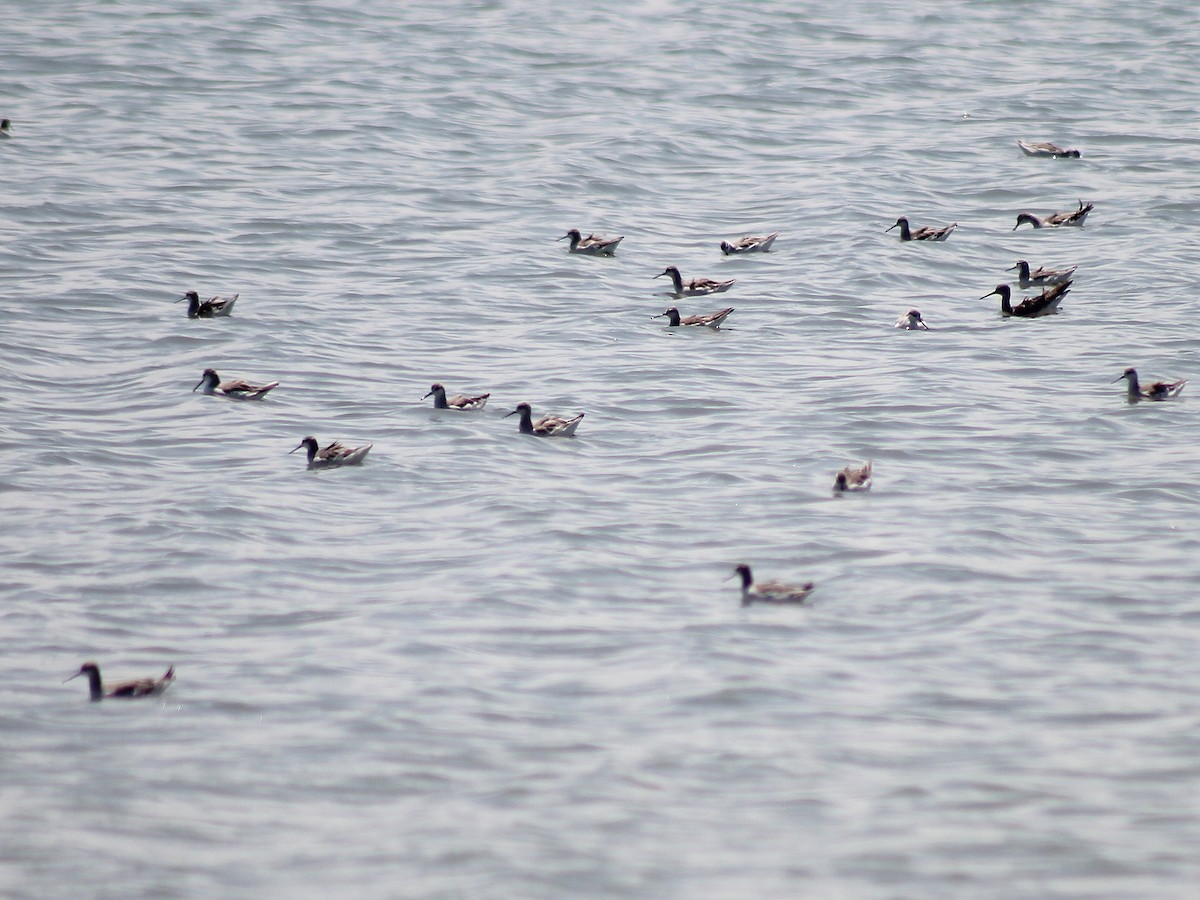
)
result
[(592, 245), (213, 308), (769, 591), (546, 426), (457, 402), (141, 687), (707, 320), (1159, 390), (333, 455), (1043, 304), (697, 287), (912, 321), (234, 389), (928, 233)]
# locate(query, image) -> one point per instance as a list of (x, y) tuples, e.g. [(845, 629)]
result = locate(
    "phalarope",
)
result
[(235, 389), (1160, 390), (1041, 276), (853, 478), (769, 591), (592, 245), (141, 687), (546, 426), (1045, 148), (207, 309), (1031, 307), (1056, 220), (696, 288), (750, 244), (912, 321), (921, 234), (458, 401), (336, 454), (709, 320)]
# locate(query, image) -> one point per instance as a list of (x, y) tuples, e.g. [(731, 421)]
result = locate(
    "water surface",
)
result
[(490, 665)]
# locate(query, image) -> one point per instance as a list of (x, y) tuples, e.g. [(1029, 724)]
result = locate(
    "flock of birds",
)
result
[(1055, 284)]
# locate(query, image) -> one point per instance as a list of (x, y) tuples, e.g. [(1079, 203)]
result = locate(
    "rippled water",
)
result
[(490, 665)]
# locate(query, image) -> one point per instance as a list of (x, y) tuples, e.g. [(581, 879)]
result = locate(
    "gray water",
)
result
[(490, 665)]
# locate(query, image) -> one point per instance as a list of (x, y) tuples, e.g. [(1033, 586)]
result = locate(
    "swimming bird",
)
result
[(1031, 307), (1056, 220), (769, 591), (1160, 390), (750, 244), (141, 687), (853, 478), (235, 389), (207, 309), (1041, 276), (697, 288), (458, 401), (710, 320), (5, 128), (921, 234), (912, 321), (592, 245), (546, 426), (336, 454), (1045, 148)]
